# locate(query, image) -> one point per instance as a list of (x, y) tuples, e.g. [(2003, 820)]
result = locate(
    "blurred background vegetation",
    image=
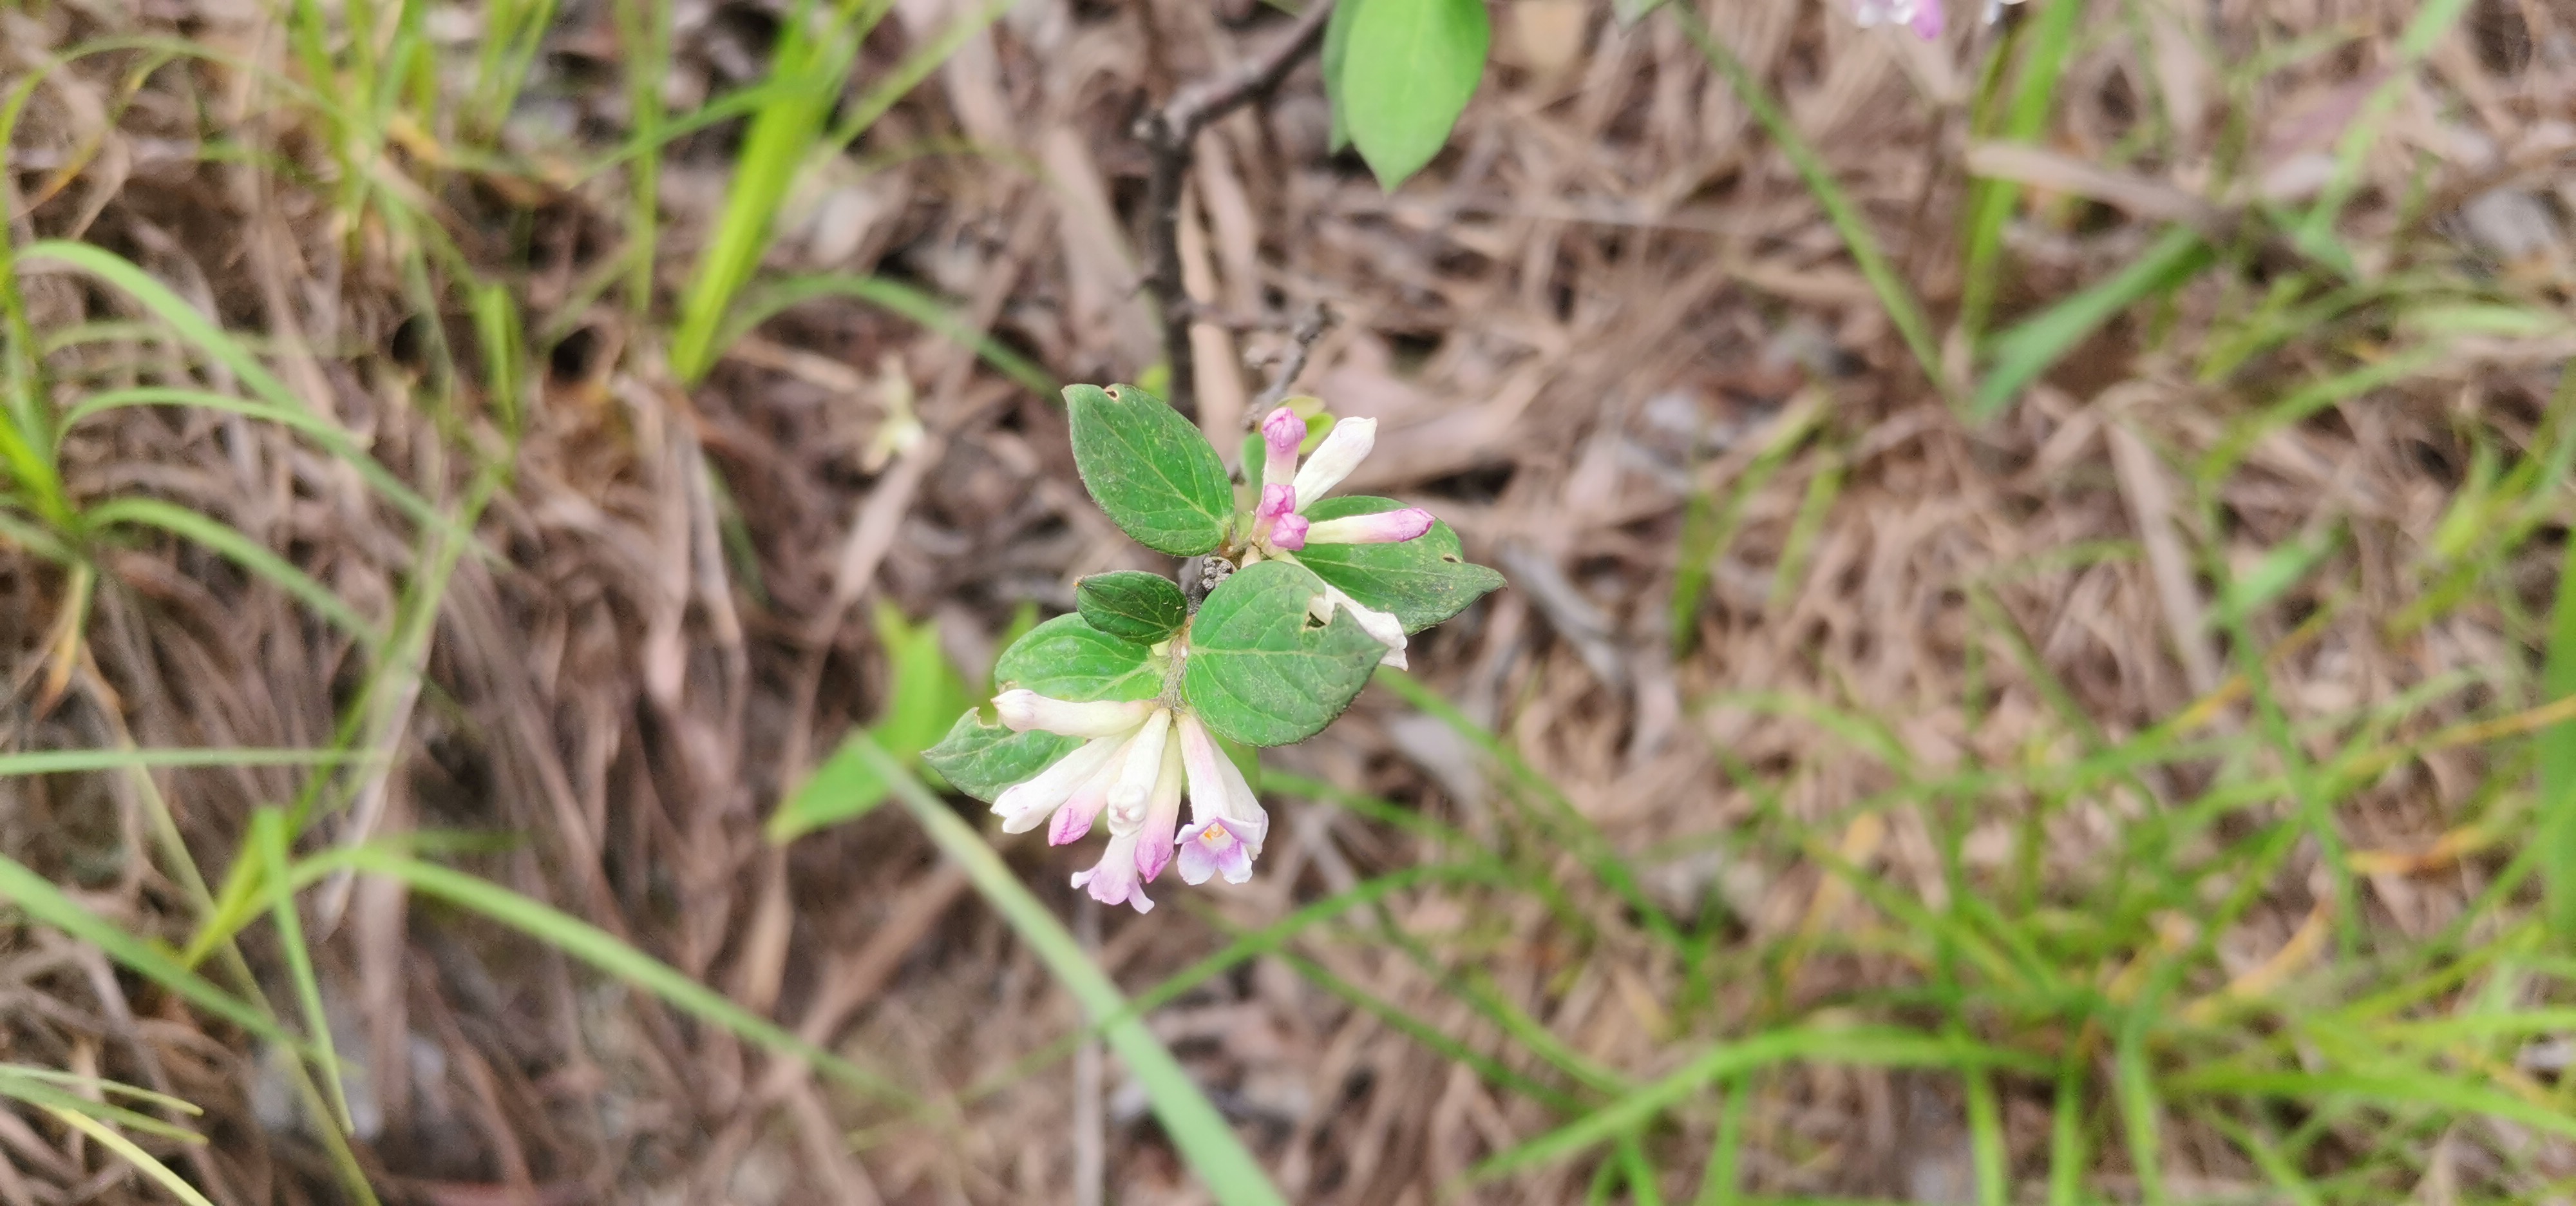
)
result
[(2033, 668)]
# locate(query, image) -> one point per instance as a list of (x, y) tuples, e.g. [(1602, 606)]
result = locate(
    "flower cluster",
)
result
[(1139, 759), (1280, 528), (1148, 694)]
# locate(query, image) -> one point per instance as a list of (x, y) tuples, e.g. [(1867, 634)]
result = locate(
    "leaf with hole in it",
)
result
[(1152, 471), (1409, 69), (1132, 604), (981, 758), (1067, 658), (1421, 581), (1261, 669)]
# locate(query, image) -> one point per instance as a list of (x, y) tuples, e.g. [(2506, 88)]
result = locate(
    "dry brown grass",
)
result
[(1609, 296)]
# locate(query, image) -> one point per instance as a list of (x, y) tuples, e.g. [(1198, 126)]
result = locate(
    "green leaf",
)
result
[(1261, 670), (1409, 69), (1337, 51), (1067, 658), (1152, 471), (1132, 604), (1422, 581), (981, 758), (2557, 757), (924, 690)]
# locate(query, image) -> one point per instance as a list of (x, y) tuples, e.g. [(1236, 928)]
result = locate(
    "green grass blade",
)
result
[(268, 845), (1893, 293), (2036, 344), (2141, 1109), (139, 1158), (766, 302), (240, 550), (1868, 1046), (16, 1083), (1721, 1184), (2044, 39), (1231, 1174), (45, 903), (596, 947), (58, 762), (2557, 763), (783, 134), (331, 436)]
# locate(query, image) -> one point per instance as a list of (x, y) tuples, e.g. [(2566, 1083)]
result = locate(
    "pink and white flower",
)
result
[(1227, 825), (1923, 16), (1141, 759), (1281, 529)]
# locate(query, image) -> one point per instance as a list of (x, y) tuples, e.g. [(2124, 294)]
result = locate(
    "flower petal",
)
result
[(1024, 710), (1388, 630), (1114, 880), (1212, 847), (1137, 772), (1277, 499), (1074, 818), (1927, 20), (1382, 527), (1280, 435), (1154, 840), (1290, 532), (1023, 805), (1342, 451)]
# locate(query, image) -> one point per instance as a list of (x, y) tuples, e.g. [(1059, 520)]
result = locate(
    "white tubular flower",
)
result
[(1281, 433), (1024, 710), (1342, 451), (1142, 764), (1078, 812), (1162, 813), (1388, 630), (1227, 823), (1023, 806)]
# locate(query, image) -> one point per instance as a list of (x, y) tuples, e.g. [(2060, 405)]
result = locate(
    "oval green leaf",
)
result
[(1406, 76), (981, 758), (1067, 658), (1132, 604), (1261, 670), (1421, 581), (1152, 471)]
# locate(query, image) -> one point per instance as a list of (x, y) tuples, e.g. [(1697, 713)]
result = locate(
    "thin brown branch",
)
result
[(1167, 134)]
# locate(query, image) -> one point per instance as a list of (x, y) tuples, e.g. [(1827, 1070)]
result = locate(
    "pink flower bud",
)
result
[(1290, 532), (1280, 435), (1277, 499), (1384, 527)]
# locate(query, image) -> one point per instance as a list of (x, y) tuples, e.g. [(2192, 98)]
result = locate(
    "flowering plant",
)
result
[(1150, 693)]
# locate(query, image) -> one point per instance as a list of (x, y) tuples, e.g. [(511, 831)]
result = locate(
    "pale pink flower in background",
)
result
[(1923, 16)]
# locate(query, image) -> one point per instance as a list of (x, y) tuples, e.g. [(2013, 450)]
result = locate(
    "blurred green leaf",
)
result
[(923, 690), (1406, 74)]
